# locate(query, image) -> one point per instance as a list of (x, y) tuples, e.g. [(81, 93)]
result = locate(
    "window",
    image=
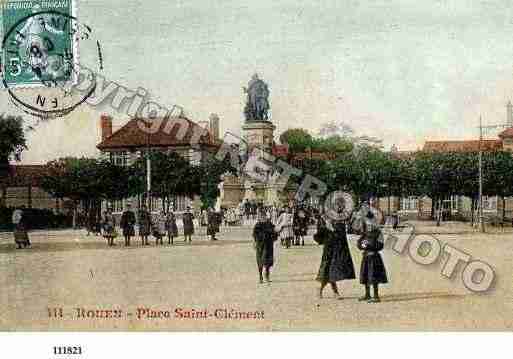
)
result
[(119, 158), (194, 157), (454, 203), (409, 203), (180, 203), (489, 203), (116, 206)]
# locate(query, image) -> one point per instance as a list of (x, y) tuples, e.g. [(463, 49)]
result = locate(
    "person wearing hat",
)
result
[(372, 270), (188, 225), (300, 224), (144, 225), (127, 223), (336, 262), (264, 236)]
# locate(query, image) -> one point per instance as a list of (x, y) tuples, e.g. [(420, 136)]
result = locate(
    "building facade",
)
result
[(174, 134), (457, 207)]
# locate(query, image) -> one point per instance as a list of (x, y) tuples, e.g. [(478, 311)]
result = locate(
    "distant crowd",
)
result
[(290, 224)]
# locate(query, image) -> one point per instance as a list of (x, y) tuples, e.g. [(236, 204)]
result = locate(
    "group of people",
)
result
[(336, 262), (292, 225), (159, 226)]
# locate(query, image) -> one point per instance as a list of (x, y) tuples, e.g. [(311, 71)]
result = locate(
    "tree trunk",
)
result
[(74, 215), (472, 210), (503, 209), (438, 212)]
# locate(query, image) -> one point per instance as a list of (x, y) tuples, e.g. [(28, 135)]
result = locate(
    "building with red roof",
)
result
[(178, 134)]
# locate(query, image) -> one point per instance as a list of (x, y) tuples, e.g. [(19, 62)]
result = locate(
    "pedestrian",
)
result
[(171, 227), (127, 224), (212, 224), (188, 224), (300, 224), (284, 227), (109, 227), (92, 221), (159, 227), (19, 221), (144, 225), (336, 263), (264, 236), (372, 270)]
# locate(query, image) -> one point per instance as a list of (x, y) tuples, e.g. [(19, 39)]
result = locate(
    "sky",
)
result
[(403, 71)]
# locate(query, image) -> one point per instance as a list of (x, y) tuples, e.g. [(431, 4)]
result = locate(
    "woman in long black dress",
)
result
[(144, 225), (127, 223), (336, 262), (172, 228), (264, 236), (300, 225), (372, 270), (188, 225), (212, 224)]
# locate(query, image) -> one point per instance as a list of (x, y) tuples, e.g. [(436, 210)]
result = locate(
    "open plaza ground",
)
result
[(210, 285)]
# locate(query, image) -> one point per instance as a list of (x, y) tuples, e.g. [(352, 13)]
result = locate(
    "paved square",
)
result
[(69, 270)]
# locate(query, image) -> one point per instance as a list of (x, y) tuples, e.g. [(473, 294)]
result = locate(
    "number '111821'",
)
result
[(67, 350)]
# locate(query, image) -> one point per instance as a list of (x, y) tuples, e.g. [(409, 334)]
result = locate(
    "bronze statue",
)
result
[(257, 104)]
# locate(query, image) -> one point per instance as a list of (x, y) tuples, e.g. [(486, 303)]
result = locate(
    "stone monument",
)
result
[(257, 139), (258, 130)]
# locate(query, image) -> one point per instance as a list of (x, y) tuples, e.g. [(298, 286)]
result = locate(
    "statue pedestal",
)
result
[(259, 134)]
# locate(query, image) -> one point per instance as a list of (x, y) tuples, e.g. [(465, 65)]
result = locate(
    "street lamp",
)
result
[(481, 127), (148, 165)]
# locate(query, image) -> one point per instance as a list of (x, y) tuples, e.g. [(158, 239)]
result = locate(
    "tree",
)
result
[(171, 176), (86, 181), (497, 179), (332, 144), (210, 174), (298, 139), (12, 141)]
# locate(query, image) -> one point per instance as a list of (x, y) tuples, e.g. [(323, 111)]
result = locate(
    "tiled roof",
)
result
[(168, 132), (462, 146), (507, 133)]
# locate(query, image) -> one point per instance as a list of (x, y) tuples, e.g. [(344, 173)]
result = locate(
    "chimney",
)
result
[(509, 114), (106, 126), (214, 125)]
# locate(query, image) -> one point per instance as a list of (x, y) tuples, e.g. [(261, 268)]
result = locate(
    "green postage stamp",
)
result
[(37, 42)]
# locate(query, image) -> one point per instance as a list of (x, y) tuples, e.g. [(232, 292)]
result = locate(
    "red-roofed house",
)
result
[(462, 146), (177, 134), (457, 205)]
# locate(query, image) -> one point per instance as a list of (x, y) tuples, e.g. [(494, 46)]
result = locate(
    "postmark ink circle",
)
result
[(40, 51)]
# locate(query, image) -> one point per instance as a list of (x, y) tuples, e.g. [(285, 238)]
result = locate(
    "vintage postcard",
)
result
[(253, 166)]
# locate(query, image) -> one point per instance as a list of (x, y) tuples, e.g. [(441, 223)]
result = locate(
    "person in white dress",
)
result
[(284, 227)]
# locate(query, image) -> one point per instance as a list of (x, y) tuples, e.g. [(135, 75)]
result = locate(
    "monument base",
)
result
[(259, 134)]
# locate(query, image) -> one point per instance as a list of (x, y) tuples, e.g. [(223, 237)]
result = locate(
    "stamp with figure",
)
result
[(38, 41)]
